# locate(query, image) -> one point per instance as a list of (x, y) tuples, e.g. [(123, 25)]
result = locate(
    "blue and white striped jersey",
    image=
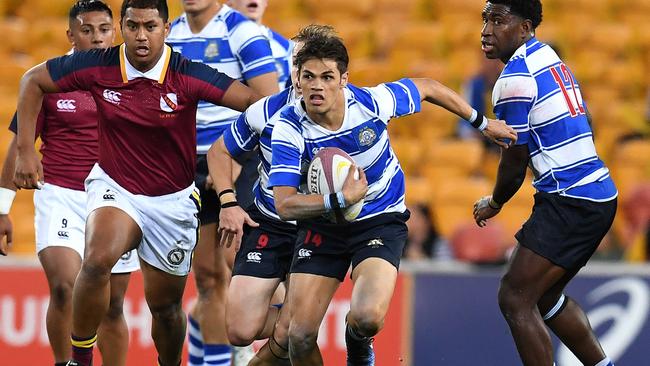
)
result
[(363, 135), (253, 128), (540, 98), (281, 49), (234, 45)]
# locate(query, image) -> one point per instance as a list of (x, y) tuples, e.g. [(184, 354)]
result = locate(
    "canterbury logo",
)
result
[(304, 253), (112, 96), (254, 257), (66, 105), (63, 234)]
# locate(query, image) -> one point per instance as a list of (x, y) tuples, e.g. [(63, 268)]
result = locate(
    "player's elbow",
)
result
[(284, 211)]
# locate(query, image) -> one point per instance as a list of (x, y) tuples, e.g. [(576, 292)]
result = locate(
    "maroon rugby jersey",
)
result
[(147, 128), (67, 126)]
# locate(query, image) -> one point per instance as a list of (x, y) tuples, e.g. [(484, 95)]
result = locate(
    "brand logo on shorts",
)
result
[(176, 256), (66, 105), (304, 253), (254, 257), (63, 234), (375, 243), (168, 102), (112, 96), (109, 195)]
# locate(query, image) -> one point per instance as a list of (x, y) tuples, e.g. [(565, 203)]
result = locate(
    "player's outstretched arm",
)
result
[(7, 194), (511, 174), (34, 84), (291, 205), (231, 216), (436, 93), (239, 97)]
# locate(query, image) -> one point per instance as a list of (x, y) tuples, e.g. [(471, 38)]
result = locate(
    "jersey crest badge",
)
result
[(168, 102), (211, 50), (367, 136)]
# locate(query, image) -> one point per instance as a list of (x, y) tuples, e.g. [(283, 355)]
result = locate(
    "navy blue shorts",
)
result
[(266, 250), (566, 230), (328, 250)]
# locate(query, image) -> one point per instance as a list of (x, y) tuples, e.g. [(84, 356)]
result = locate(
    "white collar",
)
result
[(157, 73)]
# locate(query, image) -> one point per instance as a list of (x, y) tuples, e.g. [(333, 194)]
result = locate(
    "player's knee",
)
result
[(302, 341), (367, 320), (168, 313), (241, 336), (96, 269), (511, 300), (61, 294)]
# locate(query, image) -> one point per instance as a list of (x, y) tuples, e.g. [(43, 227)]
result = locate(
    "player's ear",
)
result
[(70, 37), (167, 28), (527, 28), (344, 79)]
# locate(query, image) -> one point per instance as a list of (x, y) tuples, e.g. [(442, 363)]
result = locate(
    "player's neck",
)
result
[(523, 42), (198, 21)]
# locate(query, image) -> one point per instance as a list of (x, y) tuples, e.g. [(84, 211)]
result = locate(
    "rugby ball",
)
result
[(326, 174)]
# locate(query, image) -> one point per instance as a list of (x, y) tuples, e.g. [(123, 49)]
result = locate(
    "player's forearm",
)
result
[(265, 84), (300, 206), (511, 175), (220, 166), (436, 93), (7, 175)]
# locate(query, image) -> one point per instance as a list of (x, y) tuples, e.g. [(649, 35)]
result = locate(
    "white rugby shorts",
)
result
[(60, 220), (169, 223)]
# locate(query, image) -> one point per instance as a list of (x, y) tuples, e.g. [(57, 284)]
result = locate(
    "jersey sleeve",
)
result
[(75, 71), (206, 83), (513, 99), (252, 49), (244, 134), (287, 146), (395, 99)]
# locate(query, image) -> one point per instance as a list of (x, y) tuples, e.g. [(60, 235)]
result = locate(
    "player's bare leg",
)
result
[(309, 295), (61, 266), (528, 278), (275, 352), (570, 323), (248, 309), (164, 294), (374, 282), (113, 333), (110, 232)]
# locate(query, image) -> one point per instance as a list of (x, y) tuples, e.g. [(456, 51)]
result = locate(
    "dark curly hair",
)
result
[(87, 6), (160, 5), (527, 9), (323, 45)]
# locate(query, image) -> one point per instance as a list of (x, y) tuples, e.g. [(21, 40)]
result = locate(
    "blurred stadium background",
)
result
[(444, 312)]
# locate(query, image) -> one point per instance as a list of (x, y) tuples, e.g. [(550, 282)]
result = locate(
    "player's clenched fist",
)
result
[(354, 189), (484, 209), (29, 170)]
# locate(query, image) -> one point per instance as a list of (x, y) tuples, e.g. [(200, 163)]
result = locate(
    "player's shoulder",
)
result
[(234, 19), (279, 39), (540, 56), (181, 20)]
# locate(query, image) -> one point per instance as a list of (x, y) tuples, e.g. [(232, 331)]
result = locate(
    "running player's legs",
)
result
[(248, 309), (275, 352), (61, 266), (374, 282), (113, 333), (309, 296)]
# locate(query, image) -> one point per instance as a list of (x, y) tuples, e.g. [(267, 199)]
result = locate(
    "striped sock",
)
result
[(605, 362), (217, 354), (195, 347), (82, 349)]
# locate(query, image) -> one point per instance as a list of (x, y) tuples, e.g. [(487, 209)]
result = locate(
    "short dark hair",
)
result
[(160, 5), (86, 6), (527, 9), (323, 45), (314, 31)]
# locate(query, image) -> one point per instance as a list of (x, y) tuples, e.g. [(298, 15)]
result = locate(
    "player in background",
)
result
[(281, 47), (333, 113), (575, 201), (141, 193), (215, 34), (264, 258), (67, 126)]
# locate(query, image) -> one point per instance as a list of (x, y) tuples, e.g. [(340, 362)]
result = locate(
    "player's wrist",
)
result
[(478, 120), (334, 201), (227, 197), (6, 200), (494, 204)]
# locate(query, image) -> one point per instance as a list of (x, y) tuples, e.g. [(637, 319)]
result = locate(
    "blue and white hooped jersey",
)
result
[(234, 45), (281, 49), (540, 98), (253, 128), (363, 135)]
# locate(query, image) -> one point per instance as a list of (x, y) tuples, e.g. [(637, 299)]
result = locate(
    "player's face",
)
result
[(253, 9), (502, 33), (321, 84), (91, 30), (197, 6), (144, 34)]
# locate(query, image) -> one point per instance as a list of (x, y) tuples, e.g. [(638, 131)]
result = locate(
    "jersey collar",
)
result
[(521, 51), (157, 73)]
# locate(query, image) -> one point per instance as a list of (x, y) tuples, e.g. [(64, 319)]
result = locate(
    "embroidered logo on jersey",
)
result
[(367, 136), (112, 96), (63, 235), (211, 50), (176, 256), (126, 256), (109, 195), (375, 243), (254, 257), (168, 102), (304, 253), (66, 105)]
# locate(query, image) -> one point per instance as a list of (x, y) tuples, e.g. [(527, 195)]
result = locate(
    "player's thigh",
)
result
[(530, 275), (248, 301), (204, 259), (310, 296), (374, 282), (61, 266), (163, 291), (110, 232)]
